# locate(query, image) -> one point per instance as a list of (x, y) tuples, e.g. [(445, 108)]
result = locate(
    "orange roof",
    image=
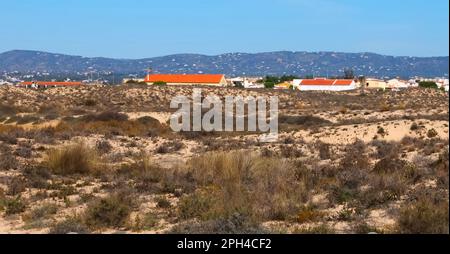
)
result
[(326, 82), (43, 83), (343, 82), (317, 82), (185, 78)]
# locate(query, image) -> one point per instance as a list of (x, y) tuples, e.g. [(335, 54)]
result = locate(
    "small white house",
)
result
[(322, 84), (374, 83), (413, 83), (247, 83), (442, 83)]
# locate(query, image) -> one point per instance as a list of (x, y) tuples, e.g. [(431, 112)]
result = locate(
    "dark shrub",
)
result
[(90, 103), (159, 83), (324, 150), (389, 165), (235, 224), (355, 157), (37, 176), (70, 225), (16, 185), (163, 203), (303, 120), (424, 217), (112, 211), (428, 84), (170, 147), (24, 150), (44, 211), (386, 149), (106, 116), (103, 146), (7, 159), (432, 133), (14, 206), (414, 127)]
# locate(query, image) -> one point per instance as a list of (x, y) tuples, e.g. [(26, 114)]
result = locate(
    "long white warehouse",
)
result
[(322, 84)]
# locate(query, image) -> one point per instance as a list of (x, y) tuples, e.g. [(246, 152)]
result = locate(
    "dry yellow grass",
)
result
[(72, 159)]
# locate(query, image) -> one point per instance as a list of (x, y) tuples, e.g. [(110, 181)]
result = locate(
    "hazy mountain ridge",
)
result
[(233, 64)]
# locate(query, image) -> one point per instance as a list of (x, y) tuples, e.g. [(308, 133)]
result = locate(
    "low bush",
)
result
[(163, 203), (389, 165), (105, 117), (324, 150), (16, 186), (169, 147), (307, 121), (414, 127), (112, 211), (7, 160), (90, 103), (103, 146), (386, 149), (428, 84), (147, 222), (355, 157), (235, 224), (36, 217), (424, 217), (70, 225), (432, 133), (37, 176), (14, 205), (144, 172)]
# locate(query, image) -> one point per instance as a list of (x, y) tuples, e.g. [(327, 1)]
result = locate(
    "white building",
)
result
[(322, 84), (374, 83), (248, 83), (413, 83), (442, 83), (397, 84)]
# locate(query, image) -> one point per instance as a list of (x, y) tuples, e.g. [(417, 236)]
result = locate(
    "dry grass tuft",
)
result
[(72, 159)]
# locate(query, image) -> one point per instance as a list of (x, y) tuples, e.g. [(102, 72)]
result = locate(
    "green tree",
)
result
[(269, 84), (159, 83), (285, 78), (428, 84), (131, 81)]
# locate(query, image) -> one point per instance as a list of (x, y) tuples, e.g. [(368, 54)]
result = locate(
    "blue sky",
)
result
[(139, 29)]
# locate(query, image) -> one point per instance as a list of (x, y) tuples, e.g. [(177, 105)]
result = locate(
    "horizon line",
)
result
[(226, 53)]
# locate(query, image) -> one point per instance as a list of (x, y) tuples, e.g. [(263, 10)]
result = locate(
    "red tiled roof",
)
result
[(43, 83), (187, 78), (317, 82), (326, 82), (343, 82)]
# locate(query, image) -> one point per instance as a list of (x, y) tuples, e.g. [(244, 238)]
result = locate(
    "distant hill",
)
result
[(234, 64)]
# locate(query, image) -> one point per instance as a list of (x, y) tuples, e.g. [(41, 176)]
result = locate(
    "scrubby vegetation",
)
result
[(103, 159)]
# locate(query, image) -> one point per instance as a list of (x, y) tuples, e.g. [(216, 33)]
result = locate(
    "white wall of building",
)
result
[(297, 85), (328, 88)]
